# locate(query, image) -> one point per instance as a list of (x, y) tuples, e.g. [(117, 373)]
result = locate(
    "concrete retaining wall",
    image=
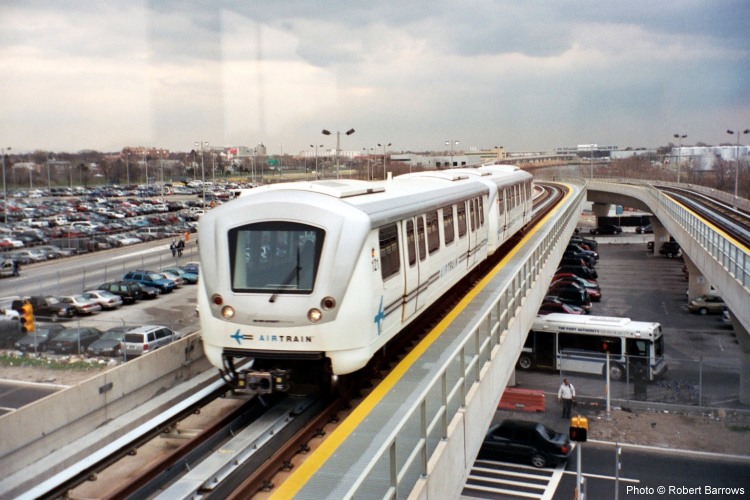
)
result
[(46, 425)]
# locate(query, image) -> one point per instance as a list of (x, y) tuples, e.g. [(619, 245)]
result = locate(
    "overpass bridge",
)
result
[(712, 256)]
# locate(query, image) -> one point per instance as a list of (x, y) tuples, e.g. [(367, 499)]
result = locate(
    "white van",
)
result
[(6, 268)]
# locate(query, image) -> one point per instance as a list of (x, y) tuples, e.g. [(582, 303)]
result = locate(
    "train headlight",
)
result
[(227, 312), (314, 315), (328, 303)]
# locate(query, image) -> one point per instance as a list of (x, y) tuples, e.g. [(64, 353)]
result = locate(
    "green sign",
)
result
[(273, 162)]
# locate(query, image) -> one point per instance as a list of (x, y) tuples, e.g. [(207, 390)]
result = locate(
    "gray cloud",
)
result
[(524, 75)]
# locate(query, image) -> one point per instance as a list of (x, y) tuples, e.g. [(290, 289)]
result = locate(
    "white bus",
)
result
[(570, 343)]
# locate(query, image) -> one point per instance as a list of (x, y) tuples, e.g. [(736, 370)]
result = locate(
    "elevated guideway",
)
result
[(714, 258), (419, 430)]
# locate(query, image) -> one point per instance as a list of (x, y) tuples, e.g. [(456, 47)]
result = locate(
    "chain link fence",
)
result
[(704, 382)]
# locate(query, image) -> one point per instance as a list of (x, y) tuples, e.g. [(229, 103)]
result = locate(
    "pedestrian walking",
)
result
[(180, 247), (566, 394), (16, 268), (173, 248)]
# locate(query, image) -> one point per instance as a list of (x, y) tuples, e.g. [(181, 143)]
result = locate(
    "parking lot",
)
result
[(701, 351)]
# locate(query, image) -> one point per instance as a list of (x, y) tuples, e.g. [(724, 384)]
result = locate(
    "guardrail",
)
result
[(403, 457)]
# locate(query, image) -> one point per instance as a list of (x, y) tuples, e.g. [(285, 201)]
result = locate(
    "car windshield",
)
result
[(113, 336), (277, 257)]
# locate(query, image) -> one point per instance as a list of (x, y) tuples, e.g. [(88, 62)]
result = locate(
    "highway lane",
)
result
[(75, 274), (656, 473)]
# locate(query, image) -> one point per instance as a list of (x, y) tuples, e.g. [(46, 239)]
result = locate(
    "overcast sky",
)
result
[(526, 75)]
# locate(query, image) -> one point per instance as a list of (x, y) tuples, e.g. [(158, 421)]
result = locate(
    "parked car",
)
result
[(670, 249), (582, 271), (51, 307), (10, 331), (147, 292), (110, 343), (190, 278), (575, 247), (192, 267), (707, 304), (551, 305), (150, 278), (526, 441), (107, 300), (74, 340), (579, 260), (592, 289), (145, 339), (83, 304), (38, 340), (129, 292), (179, 281), (571, 297), (647, 229), (606, 229), (585, 243)]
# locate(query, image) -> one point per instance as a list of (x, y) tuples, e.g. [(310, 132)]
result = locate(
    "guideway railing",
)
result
[(403, 457)]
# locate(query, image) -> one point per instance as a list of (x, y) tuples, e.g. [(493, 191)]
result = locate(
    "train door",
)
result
[(474, 218), (411, 302)]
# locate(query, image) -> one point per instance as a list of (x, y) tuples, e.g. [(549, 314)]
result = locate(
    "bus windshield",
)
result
[(275, 257)]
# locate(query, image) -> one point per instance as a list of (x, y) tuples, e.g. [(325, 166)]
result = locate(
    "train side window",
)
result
[(433, 232), (411, 244), (421, 238), (481, 212), (448, 231), (501, 201), (389, 251), (461, 209)]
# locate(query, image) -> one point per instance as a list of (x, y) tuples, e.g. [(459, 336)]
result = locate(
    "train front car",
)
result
[(275, 270)]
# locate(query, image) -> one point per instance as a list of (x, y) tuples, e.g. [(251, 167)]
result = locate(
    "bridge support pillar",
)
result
[(743, 339), (697, 283), (600, 210), (660, 234)]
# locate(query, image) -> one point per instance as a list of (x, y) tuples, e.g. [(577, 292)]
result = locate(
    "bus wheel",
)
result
[(615, 372), (524, 362)]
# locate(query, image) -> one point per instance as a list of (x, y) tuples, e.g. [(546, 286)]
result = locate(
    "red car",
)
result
[(559, 276), (592, 289)]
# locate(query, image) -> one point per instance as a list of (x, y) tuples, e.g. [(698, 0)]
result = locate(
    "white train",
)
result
[(316, 277)]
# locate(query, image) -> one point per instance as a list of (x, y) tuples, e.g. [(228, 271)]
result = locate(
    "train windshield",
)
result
[(275, 257)]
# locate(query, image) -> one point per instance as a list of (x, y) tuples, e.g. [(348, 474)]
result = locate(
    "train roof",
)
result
[(386, 201)]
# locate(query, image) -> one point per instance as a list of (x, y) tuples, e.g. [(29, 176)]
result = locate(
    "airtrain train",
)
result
[(316, 277)]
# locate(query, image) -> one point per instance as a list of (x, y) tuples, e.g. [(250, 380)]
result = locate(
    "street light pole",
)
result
[(451, 143), (316, 159), (383, 146), (737, 159), (679, 155), (338, 145), (201, 144), (5, 190)]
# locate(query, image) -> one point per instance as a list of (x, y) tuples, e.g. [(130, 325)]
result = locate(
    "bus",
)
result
[(570, 343)]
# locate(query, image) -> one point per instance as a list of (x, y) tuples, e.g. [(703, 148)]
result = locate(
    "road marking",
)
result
[(600, 476), (142, 252)]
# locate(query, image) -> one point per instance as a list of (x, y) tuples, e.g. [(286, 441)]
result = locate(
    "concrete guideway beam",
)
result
[(692, 234)]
